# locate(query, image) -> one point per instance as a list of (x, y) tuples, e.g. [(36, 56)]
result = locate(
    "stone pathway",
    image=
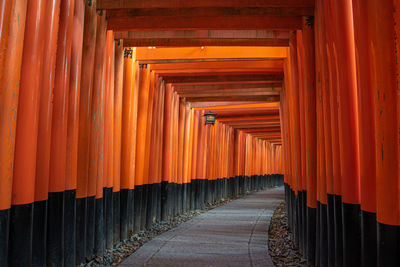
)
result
[(231, 235)]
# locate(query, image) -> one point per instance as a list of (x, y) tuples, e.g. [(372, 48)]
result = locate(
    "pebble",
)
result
[(280, 241)]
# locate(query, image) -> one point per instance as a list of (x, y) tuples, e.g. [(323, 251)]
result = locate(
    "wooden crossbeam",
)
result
[(115, 4)]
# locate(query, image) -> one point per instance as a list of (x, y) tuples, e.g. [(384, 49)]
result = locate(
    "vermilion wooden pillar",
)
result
[(167, 152), (72, 133), (96, 156), (366, 117), (333, 99), (12, 42), (383, 30), (309, 80), (109, 139), (44, 133), (295, 123), (85, 192), (118, 100), (23, 186), (343, 38), (60, 202), (326, 230)]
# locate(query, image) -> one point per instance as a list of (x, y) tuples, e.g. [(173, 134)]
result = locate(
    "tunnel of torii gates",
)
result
[(102, 132)]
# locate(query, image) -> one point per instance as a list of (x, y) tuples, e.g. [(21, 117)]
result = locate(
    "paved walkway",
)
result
[(231, 235)]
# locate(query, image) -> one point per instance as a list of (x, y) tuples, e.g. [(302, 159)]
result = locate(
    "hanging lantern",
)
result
[(210, 117)]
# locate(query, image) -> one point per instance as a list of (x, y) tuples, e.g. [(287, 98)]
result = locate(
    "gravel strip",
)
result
[(281, 246), (135, 241)]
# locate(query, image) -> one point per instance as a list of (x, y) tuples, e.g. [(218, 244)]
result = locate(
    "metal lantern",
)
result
[(210, 117)]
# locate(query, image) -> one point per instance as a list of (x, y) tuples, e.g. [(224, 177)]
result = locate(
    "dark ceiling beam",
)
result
[(204, 38), (234, 98), (188, 42), (119, 22), (233, 93), (221, 103), (213, 87), (224, 78), (114, 4)]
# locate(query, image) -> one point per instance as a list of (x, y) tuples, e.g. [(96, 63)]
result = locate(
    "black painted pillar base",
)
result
[(90, 219), (20, 235), (149, 207), (368, 239), (185, 197), (39, 234), (388, 245), (55, 229), (137, 205), (143, 206), (305, 221), (179, 195), (108, 216), (124, 214), (331, 229), (158, 202), (351, 234), (338, 231), (4, 230), (69, 228), (323, 235), (311, 235), (99, 236), (116, 217), (80, 230), (193, 194)]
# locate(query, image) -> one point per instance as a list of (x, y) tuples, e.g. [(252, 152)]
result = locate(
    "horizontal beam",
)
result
[(209, 53), (248, 118), (187, 42), (251, 64), (229, 86), (214, 104), (275, 90), (234, 98), (203, 34), (225, 94), (205, 72), (114, 4), (210, 12), (223, 78), (130, 23)]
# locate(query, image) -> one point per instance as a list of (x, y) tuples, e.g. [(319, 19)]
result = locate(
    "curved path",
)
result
[(231, 235)]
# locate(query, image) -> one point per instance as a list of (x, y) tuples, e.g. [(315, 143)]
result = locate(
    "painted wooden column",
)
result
[(181, 149), (323, 241), (167, 152), (348, 130), (12, 43), (383, 31), (309, 80), (85, 191), (132, 76), (7, 126), (303, 189), (366, 117), (44, 134), (73, 133), (141, 140), (23, 194), (12, 29), (116, 154), (326, 11), (96, 156), (60, 202), (109, 139)]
